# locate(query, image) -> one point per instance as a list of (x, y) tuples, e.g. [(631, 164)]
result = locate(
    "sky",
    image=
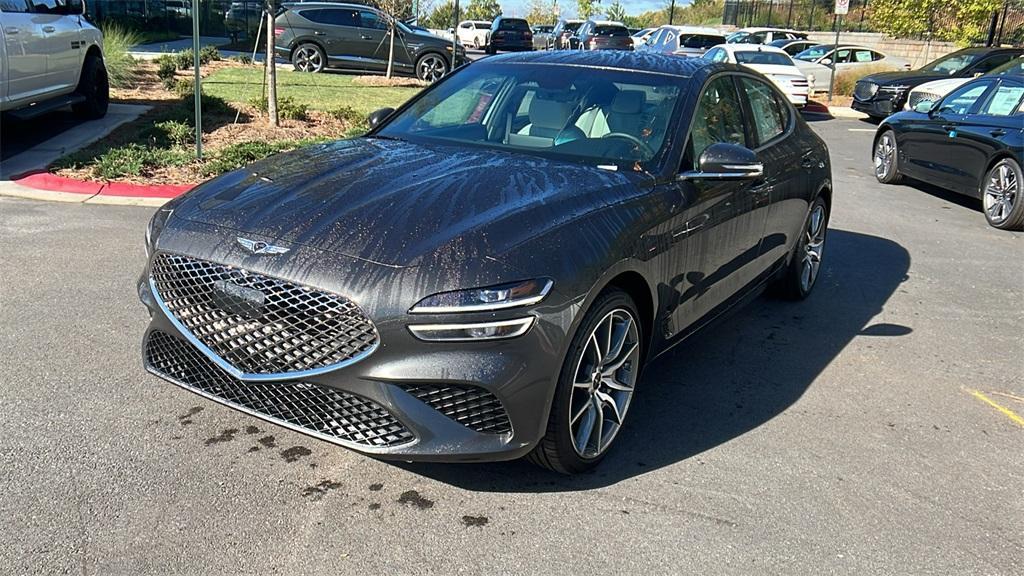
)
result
[(633, 7)]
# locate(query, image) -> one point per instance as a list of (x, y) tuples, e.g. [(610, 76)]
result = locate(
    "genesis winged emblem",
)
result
[(260, 247)]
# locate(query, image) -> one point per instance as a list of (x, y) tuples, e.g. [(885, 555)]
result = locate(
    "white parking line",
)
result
[(861, 129)]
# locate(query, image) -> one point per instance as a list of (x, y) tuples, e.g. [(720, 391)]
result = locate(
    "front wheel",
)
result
[(1001, 195), (431, 67), (886, 159), (595, 386), (801, 274), (94, 87)]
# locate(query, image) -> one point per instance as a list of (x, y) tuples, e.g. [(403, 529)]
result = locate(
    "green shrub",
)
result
[(121, 67), (183, 87), (183, 60), (287, 107), (241, 58), (134, 160), (846, 80), (176, 132), (209, 54), (356, 121), (166, 67), (215, 105), (241, 154)]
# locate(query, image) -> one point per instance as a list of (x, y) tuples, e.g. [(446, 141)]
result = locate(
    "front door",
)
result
[(24, 45), (932, 145), (981, 135), (64, 50)]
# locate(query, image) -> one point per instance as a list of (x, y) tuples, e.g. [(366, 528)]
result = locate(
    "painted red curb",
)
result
[(54, 183)]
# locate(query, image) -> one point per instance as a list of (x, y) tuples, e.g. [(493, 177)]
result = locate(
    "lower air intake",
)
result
[(471, 406)]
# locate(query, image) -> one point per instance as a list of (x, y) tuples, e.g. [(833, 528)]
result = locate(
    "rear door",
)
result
[(336, 29), (373, 35), (25, 45)]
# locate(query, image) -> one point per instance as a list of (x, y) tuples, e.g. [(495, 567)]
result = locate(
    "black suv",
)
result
[(509, 34), (318, 35), (879, 95)]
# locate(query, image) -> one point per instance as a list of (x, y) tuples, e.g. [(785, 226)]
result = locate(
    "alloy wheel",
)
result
[(885, 154), (603, 383), (814, 247), (431, 68), (1001, 192), (308, 59)]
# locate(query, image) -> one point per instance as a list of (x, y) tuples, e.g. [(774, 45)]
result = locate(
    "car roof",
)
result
[(607, 23), (476, 21), (615, 59), (989, 50), (694, 30), (755, 29), (326, 5), (751, 48)]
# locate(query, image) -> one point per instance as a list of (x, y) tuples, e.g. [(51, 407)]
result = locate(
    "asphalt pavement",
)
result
[(848, 434)]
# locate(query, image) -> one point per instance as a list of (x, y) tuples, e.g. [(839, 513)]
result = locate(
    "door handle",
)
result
[(366, 37), (319, 33), (11, 30), (998, 132), (948, 127), (49, 29)]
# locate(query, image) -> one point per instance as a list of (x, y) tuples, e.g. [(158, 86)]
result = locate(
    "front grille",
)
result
[(918, 97), (326, 411), (285, 328), (471, 406), (864, 90)]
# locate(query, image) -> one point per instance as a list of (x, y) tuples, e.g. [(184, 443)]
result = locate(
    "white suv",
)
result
[(50, 57)]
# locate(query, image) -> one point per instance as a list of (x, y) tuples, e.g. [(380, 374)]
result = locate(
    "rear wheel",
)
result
[(94, 86), (595, 386), (309, 58), (886, 159), (1001, 195), (799, 277)]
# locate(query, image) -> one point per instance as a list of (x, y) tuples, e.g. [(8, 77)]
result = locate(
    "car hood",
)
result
[(397, 203), (904, 78), (941, 87), (776, 70)]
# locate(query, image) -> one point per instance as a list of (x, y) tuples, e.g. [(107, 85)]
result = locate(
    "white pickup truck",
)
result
[(50, 57)]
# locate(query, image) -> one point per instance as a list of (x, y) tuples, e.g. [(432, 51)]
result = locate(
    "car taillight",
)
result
[(528, 35), (278, 31), (499, 34)]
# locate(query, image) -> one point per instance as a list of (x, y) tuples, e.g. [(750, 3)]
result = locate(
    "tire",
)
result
[(886, 158), (1001, 195), (799, 277), (599, 401), (431, 67), (490, 50), (94, 86), (476, 43), (309, 57)]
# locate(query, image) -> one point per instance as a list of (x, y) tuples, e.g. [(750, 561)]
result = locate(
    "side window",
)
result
[(842, 57), (333, 17), (877, 55), (669, 42), (369, 19), (862, 56), (15, 6), (961, 101), (760, 37), (718, 118), (988, 64), (1004, 101), (768, 114), (50, 6)]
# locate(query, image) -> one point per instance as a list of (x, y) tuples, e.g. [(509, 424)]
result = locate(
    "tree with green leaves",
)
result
[(587, 8), (616, 12), (542, 12), (483, 10), (442, 17), (911, 18)]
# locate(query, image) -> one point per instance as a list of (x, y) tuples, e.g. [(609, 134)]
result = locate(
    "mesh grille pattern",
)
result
[(275, 327), (471, 406), (918, 97), (325, 410), (864, 90)]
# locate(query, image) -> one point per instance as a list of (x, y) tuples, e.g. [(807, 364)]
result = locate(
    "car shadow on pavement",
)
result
[(729, 379)]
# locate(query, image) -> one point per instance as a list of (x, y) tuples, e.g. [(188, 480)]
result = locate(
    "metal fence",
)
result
[(1005, 26), (231, 18)]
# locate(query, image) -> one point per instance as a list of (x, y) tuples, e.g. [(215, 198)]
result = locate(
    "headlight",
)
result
[(472, 332), (500, 297), (156, 226)]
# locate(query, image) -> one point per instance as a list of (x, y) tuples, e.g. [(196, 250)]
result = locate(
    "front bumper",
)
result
[(407, 400), (878, 107)]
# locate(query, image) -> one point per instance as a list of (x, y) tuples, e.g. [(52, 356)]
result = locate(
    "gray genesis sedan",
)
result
[(484, 274)]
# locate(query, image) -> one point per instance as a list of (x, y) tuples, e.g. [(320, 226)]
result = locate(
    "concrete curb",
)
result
[(52, 188), (846, 112)]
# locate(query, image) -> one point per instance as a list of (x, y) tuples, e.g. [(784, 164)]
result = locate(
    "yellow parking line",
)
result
[(1005, 411)]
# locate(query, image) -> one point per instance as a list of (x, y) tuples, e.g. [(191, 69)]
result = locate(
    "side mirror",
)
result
[(723, 161), (378, 116), (826, 61), (75, 7), (924, 106), (451, 30)]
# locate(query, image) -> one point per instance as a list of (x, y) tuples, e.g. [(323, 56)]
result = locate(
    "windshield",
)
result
[(602, 30), (752, 57), (608, 118), (1013, 67), (572, 26), (814, 52), (951, 64), (510, 24)]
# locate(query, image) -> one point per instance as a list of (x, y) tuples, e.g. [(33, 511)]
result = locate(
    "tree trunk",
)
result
[(391, 48), (271, 70)]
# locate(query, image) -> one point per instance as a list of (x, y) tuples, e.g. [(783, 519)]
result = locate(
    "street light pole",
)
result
[(198, 77)]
